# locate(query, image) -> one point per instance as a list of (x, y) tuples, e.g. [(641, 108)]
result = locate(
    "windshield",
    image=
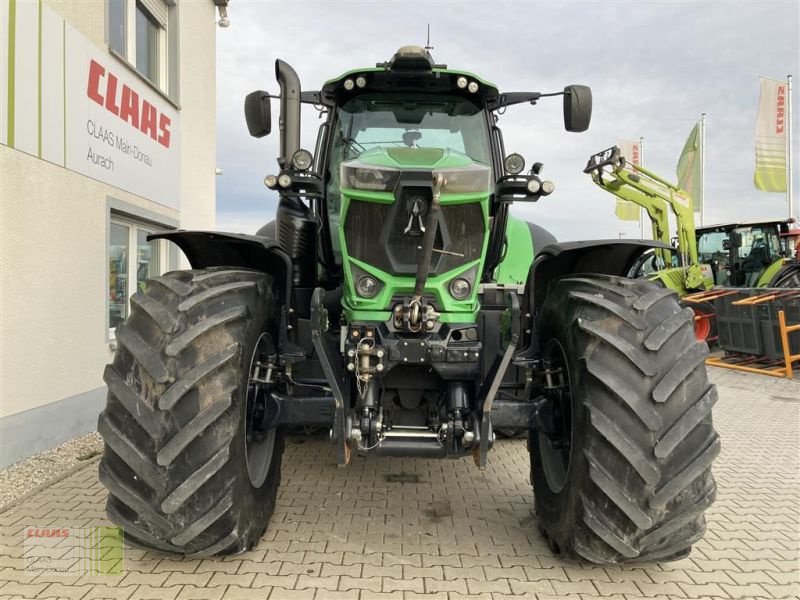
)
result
[(425, 121), (738, 257), (402, 121)]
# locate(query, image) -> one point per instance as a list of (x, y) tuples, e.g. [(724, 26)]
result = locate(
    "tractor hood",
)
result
[(380, 169), (414, 158)]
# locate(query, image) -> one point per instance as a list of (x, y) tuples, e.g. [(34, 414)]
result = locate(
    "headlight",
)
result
[(514, 163), (460, 288), (367, 287), (349, 84), (461, 82), (548, 187), (361, 81), (270, 181), (474, 178), (284, 181), (301, 160), (533, 186), (472, 87), (358, 176)]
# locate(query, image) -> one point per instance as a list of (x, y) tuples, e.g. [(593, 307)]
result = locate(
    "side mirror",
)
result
[(257, 113), (577, 107)]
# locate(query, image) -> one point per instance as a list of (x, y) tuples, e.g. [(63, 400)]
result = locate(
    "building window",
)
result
[(148, 49), (147, 264), (118, 252), (144, 34), (116, 26), (131, 261)]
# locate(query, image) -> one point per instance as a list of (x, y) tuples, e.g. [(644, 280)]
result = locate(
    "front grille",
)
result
[(375, 234)]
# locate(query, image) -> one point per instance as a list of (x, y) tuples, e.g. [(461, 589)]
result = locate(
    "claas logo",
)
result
[(125, 103), (780, 112), (47, 532)]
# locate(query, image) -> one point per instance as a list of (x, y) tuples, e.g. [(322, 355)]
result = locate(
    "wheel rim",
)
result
[(259, 445), (556, 450), (702, 325)]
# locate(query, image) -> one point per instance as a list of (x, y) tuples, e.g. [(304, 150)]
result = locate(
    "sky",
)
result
[(653, 67)]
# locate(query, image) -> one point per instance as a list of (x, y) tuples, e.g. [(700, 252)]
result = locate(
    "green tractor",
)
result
[(754, 254), (740, 255), (396, 302)]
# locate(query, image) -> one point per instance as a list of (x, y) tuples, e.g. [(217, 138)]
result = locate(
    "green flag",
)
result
[(690, 169)]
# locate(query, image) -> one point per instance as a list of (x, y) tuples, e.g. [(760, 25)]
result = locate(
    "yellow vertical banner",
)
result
[(770, 173)]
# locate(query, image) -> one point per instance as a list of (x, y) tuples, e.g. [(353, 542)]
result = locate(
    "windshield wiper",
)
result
[(351, 143)]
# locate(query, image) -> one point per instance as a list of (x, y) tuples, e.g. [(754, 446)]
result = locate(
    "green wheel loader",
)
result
[(396, 302)]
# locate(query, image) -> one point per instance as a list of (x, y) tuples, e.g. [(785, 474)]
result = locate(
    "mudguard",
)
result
[(206, 249), (604, 257)]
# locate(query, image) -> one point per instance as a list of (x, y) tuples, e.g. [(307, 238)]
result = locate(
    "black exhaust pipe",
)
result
[(296, 224), (289, 121)]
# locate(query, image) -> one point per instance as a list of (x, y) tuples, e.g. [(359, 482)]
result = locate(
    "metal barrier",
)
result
[(754, 329)]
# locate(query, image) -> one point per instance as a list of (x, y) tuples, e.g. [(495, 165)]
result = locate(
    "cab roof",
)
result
[(411, 69), (787, 223)]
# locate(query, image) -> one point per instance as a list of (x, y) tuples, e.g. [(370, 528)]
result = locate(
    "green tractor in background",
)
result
[(395, 301), (754, 254), (678, 266), (733, 255)]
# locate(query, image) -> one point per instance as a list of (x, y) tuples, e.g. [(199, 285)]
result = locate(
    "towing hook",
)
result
[(414, 313)]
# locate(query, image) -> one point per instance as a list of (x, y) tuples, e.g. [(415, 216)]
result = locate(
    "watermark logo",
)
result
[(74, 550)]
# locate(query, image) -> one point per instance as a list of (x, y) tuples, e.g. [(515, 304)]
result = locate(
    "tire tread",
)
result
[(649, 439), (169, 466)]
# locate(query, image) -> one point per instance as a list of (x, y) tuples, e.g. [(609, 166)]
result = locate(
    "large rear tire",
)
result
[(183, 475), (787, 277), (627, 476)]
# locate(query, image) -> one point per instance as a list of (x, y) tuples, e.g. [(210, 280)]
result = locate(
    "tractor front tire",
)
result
[(183, 476), (627, 475)]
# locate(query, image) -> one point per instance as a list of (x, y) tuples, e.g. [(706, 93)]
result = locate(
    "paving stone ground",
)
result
[(399, 529)]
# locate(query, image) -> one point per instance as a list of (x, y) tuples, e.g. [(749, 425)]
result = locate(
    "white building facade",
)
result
[(107, 134)]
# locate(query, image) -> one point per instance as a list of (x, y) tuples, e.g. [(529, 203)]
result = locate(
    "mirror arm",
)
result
[(511, 98)]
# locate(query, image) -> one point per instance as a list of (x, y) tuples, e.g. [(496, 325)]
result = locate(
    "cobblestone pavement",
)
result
[(397, 529)]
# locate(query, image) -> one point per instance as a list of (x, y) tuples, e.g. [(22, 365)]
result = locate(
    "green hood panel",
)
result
[(415, 158), (516, 264)]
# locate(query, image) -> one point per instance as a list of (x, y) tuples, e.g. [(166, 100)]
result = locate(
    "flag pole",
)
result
[(789, 141), (702, 166), (641, 212)]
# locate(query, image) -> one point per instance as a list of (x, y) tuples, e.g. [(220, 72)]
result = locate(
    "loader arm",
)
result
[(612, 173)]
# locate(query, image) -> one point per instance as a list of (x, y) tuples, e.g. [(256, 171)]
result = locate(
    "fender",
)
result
[(788, 276), (214, 249), (601, 257)]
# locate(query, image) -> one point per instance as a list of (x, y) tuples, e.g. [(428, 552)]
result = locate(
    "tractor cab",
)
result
[(743, 254)]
